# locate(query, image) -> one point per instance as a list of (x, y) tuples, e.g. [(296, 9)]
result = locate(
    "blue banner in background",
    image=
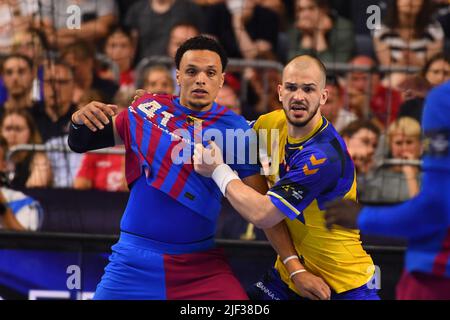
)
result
[(40, 274)]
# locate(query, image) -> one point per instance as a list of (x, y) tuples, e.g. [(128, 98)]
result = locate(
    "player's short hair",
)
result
[(201, 43), (318, 62)]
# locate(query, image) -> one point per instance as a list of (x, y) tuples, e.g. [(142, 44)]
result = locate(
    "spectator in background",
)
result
[(414, 89), (152, 20), (334, 109), (263, 96), (120, 48), (17, 73), (253, 34), (396, 183), (157, 79), (102, 172), (32, 169), (318, 30), (97, 16), (227, 97), (248, 19), (53, 115), (18, 211), (179, 33), (408, 37), (53, 120), (81, 57), (15, 16), (32, 44), (367, 96), (437, 69), (361, 138)]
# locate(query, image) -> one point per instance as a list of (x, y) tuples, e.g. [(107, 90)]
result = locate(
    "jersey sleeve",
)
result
[(311, 173)]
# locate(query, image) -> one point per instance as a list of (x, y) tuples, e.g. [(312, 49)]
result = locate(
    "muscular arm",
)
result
[(278, 235), (253, 206)]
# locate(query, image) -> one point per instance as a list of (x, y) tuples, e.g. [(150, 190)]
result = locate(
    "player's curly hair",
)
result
[(201, 43)]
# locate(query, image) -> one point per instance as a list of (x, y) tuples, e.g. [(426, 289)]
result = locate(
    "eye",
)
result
[(211, 73), (291, 87), (190, 71), (308, 89)]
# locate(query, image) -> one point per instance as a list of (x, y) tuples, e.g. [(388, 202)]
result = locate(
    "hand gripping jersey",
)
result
[(311, 172)]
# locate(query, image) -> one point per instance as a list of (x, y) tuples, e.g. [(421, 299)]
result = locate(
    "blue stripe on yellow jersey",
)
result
[(312, 171)]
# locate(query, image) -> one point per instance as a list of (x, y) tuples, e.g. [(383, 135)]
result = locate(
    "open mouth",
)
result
[(298, 107), (298, 110)]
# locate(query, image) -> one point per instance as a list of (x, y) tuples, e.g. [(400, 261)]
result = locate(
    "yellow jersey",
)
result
[(303, 175)]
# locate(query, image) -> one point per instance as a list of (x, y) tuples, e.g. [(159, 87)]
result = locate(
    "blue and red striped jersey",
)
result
[(159, 135)]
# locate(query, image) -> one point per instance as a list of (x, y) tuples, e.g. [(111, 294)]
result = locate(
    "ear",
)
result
[(177, 76), (323, 96), (222, 80), (280, 87)]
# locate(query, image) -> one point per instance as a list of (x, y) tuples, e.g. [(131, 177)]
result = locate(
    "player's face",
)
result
[(200, 77), (302, 94)]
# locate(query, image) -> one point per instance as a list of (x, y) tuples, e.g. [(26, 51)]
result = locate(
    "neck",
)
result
[(302, 132), (124, 65), (55, 112), (20, 102), (184, 103), (407, 21)]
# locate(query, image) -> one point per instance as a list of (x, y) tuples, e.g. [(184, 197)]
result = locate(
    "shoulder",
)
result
[(230, 119), (329, 145), (273, 120), (148, 98), (382, 31)]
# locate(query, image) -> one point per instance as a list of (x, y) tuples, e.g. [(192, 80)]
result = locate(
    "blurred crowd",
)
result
[(58, 55)]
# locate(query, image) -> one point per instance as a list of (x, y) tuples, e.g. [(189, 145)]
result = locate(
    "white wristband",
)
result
[(222, 175), (296, 272), (290, 258)]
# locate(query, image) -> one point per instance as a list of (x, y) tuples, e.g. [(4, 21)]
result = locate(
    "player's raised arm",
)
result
[(93, 127)]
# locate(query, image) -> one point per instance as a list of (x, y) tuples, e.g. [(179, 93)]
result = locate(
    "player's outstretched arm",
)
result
[(93, 127)]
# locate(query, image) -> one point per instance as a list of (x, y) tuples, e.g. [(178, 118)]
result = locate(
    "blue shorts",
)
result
[(271, 287), (143, 269)]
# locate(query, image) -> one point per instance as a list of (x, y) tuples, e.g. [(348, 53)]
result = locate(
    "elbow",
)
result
[(263, 219), (75, 147)]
